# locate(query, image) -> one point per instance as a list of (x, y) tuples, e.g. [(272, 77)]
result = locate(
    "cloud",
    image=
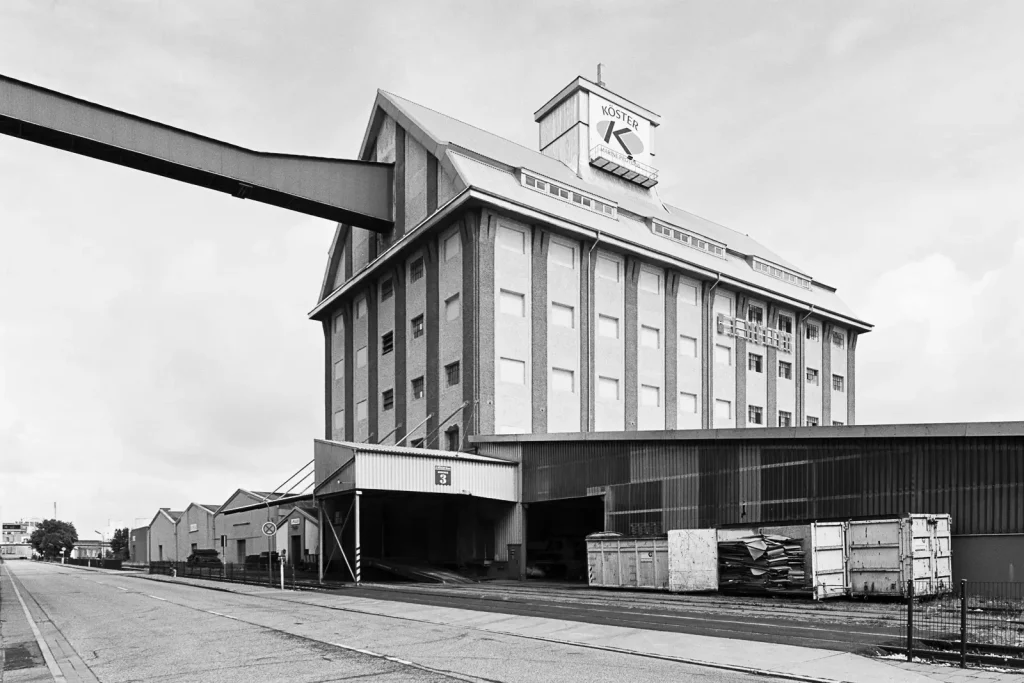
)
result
[(850, 34)]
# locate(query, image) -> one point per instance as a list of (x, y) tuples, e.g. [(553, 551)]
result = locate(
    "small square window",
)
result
[(512, 303), (754, 415), (607, 268), (785, 324), (723, 355), (452, 437), (360, 308), (512, 239), (608, 388), (339, 419), (687, 346), (452, 307), (755, 314), (417, 326), (650, 396), (563, 380), (416, 443), (361, 357), (417, 388), (416, 270), (563, 316), (687, 294), (650, 337), (812, 376), (687, 403), (562, 254), (650, 282), (754, 362), (452, 246), (361, 411), (838, 383), (785, 369), (387, 289), (339, 369), (812, 331), (387, 343), (785, 418), (338, 323), (723, 304), (451, 372), (512, 371), (387, 400), (812, 421), (607, 326), (837, 423), (723, 409), (839, 339)]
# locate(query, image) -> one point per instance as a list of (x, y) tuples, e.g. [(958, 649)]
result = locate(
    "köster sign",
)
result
[(618, 129)]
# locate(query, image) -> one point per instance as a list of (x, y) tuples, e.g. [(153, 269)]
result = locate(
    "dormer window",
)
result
[(568, 195), (690, 239)]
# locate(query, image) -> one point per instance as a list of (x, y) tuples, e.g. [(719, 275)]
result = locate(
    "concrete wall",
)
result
[(203, 537), (163, 544), (609, 341), (513, 311), (650, 349)]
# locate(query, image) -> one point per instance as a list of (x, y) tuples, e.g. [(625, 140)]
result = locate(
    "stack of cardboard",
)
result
[(762, 564)]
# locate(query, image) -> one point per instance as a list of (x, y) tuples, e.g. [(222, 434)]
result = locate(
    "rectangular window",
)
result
[(512, 371), (387, 343), (512, 303), (785, 324), (838, 384), (687, 294), (452, 246), (785, 369), (723, 304), (687, 403), (839, 339), (562, 255), (812, 376), (361, 411), (754, 415), (608, 388), (607, 268), (387, 400), (785, 418), (339, 369), (687, 346), (723, 409), (452, 307), (650, 396), (361, 357), (837, 423), (754, 362), (812, 331), (415, 270), (416, 443), (723, 355), (451, 372), (511, 239), (650, 282), (338, 320), (417, 388), (360, 308), (755, 314), (387, 289), (562, 380), (417, 326), (453, 439), (650, 337), (563, 316), (812, 421), (339, 419), (608, 326)]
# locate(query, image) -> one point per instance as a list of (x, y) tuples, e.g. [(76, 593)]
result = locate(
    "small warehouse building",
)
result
[(163, 536), (239, 523), (196, 529), (297, 539), (417, 506), (138, 545)]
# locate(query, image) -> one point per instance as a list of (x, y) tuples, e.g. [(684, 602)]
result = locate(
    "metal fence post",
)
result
[(910, 620), (963, 623)]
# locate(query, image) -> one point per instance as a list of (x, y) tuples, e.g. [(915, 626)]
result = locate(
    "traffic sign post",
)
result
[(269, 528)]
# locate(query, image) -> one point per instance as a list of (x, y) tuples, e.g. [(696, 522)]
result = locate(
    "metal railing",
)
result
[(254, 574), (979, 621)]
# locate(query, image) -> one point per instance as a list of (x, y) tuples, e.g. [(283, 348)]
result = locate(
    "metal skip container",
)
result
[(692, 560), (616, 561), (883, 555)]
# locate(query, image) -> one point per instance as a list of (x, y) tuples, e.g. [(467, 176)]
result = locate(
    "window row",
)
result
[(567, 195), (690, 239)]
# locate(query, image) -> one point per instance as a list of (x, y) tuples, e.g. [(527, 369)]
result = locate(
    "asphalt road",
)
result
[(113, 627)]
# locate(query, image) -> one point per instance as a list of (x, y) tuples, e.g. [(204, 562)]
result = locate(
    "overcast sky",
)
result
[(154, 344)]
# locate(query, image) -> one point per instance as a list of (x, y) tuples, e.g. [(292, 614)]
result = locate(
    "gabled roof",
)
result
[(257, 496), (485, 161), (307, 512), (210, 509), (171, 516)]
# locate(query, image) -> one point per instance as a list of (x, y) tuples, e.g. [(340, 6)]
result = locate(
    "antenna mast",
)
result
[(600, 75)]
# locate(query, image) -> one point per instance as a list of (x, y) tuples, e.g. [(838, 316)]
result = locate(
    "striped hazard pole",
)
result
[(359, 550)]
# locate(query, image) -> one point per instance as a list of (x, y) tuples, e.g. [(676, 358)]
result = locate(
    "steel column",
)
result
[(359, 551)]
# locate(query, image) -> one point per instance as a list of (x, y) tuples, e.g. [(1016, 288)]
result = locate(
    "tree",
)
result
[(53, 537), (119, 544)]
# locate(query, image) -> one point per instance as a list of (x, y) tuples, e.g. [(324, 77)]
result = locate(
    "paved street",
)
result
[(119, 627)]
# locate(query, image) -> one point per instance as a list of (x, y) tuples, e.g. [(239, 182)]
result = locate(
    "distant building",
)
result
[(240, 520), (163, 536), (90, 549), (15, 540), (138, 545), (195, 530)]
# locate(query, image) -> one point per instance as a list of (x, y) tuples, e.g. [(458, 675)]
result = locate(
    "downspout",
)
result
[(801, 369)]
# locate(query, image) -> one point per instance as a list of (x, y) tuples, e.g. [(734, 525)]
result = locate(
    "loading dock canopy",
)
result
[(343, 466)]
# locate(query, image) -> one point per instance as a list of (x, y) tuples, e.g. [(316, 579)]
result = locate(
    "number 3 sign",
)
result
[(442, 476)]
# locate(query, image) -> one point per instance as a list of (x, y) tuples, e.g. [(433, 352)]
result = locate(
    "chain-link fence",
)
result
[(972, 621)]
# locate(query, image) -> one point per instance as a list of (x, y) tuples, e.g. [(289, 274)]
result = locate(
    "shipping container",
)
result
[(615, 561), (692, 560), (825, 561), (885, 554)]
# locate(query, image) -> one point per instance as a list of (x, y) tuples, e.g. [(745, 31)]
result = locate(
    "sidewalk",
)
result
[(785, 661), (21, 660)]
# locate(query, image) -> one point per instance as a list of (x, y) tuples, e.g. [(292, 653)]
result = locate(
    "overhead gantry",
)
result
[(357, 193)]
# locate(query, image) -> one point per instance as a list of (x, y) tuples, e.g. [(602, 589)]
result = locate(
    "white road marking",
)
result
[(226, 616), (156, 598), (51, 663), (121, 589)]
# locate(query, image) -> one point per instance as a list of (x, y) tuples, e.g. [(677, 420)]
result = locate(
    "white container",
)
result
[(692, 560), (885, 554), (615, 561)]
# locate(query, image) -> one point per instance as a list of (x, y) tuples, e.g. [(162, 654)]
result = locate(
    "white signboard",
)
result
[(620, 130)]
